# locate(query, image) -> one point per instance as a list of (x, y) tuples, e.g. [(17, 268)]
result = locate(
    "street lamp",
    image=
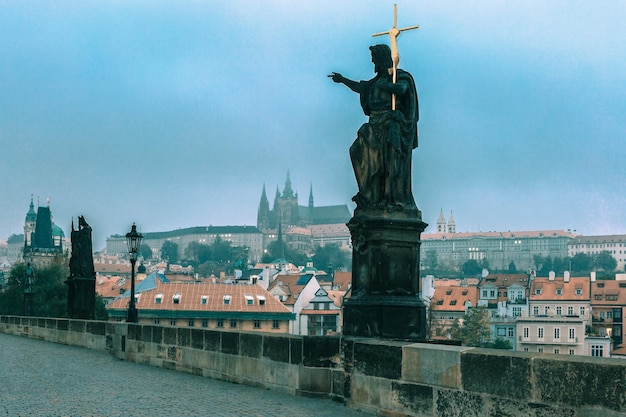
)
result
[(133, 239), (29, 291)]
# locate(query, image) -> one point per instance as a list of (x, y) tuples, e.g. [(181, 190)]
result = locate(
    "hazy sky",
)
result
[(174, 114)]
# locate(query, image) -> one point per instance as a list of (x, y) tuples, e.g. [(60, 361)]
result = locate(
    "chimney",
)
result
[(593, 276), (551, 276), (566, 276)]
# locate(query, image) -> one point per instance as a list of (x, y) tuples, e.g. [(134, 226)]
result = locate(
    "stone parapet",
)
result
[(381, 377)]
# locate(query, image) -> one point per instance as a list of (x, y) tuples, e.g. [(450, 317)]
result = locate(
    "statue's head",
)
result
[(381, 57)]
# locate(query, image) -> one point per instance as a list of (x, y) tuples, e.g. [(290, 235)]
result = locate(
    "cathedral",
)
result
[(287, 213)]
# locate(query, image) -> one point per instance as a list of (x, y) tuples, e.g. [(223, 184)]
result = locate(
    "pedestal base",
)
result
[(389, 317), (81, 298), (385, 276)]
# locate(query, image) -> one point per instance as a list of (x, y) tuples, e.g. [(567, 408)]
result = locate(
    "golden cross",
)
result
[(395, 56)]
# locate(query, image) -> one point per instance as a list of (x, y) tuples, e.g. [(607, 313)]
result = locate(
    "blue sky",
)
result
[(175, 114)]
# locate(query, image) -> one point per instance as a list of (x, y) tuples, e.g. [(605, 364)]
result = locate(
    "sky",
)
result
[(176, 114)]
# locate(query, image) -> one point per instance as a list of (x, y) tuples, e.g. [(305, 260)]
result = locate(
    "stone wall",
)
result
[(380, 377)]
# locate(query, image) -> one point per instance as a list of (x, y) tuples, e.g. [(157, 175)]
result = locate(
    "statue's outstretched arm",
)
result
[(352, 85)]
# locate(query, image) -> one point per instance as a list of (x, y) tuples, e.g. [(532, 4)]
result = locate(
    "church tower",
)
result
[(311, 197), (45, 240), (441, 223), (451, 224), (29, 223), (263, 220)]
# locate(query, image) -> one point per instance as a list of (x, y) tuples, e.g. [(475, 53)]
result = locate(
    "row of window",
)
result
[(176, 298), (571, 334), (559, 310), (219, 323)]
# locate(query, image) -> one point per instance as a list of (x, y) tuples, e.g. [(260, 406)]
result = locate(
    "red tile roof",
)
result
[(453, 298), (568, 289)]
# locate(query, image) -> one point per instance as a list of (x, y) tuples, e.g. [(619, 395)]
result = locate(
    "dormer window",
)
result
[(261, 300), (559, 291), (158, 299), (249, 299), (227, 299), (579, 291), (176, 298), (203, 299)]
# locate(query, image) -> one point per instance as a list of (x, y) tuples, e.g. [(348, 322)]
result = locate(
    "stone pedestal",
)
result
[(81, 298), (385, 299)]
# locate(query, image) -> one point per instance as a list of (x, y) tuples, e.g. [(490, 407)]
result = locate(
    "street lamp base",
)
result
[(133, 316)]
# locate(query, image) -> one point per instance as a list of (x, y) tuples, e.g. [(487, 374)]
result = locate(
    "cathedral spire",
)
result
[(451, 224), (311, 197), (288, 191)]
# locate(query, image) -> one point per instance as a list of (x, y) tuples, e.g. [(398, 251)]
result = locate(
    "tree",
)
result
[(474, 329), (198, 253), (499, 343), (169, 251), (430, 260), (145, 251), (512, 268), (471, 268), (581, 262), (50, 291), (604, 261), (331, 256)]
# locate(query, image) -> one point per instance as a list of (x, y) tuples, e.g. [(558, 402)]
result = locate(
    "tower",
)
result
[(441, 223), (44, 241), (451, 224), (263, 219), (311, 197)]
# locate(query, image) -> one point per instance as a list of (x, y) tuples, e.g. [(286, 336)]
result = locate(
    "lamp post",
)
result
[(133, 239), (29, 291)]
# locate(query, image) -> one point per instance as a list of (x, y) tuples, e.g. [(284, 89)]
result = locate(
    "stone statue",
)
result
[(81, 261), (381, 155)]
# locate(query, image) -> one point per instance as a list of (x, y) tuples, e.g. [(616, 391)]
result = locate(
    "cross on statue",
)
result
[(393, 36)]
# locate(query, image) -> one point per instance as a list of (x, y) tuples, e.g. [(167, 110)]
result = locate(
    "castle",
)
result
[(287, 213)]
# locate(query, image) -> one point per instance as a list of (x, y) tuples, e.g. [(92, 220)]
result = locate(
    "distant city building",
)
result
[(43, 240), (608, 307), (242, 236), (593, 245), (499, 248)]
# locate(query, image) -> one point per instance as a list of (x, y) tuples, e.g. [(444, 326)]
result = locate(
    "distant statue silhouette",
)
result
[(81, 261), (382, 152)]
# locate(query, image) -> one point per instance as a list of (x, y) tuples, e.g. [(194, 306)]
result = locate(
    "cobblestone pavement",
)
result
[(46, 379)]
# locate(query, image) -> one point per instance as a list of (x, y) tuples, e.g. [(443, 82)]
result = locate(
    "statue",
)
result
[(81, 284), (382, 152)]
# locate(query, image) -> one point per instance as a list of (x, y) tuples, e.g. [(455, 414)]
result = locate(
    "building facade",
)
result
[(593, 245), (242, 236), (499, 248)]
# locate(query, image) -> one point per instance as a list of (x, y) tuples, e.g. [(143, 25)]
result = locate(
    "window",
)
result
[(233, 323), (546, 310), (172, 322), (517, 311), (203, 299), (540, 332), (525, 349), (261, 300), (540, 350), (579, 291), (535, 310), (511, 332), (190, 323), (558, 310), (537, 291), (501, 331), (157, 320), (227, 299), (257, 324), (572, 333), (602, 315), (609, 314), (526, 332), (570, 311), (492, 293), (557, 333), (598, 296), (275, 324), (597, 350), (484, 293), (249, 299), (176, 298), (220, 323), (158, 298), (557, 351), (205, 323), (571, 351), (582, 311), (559, 291)]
